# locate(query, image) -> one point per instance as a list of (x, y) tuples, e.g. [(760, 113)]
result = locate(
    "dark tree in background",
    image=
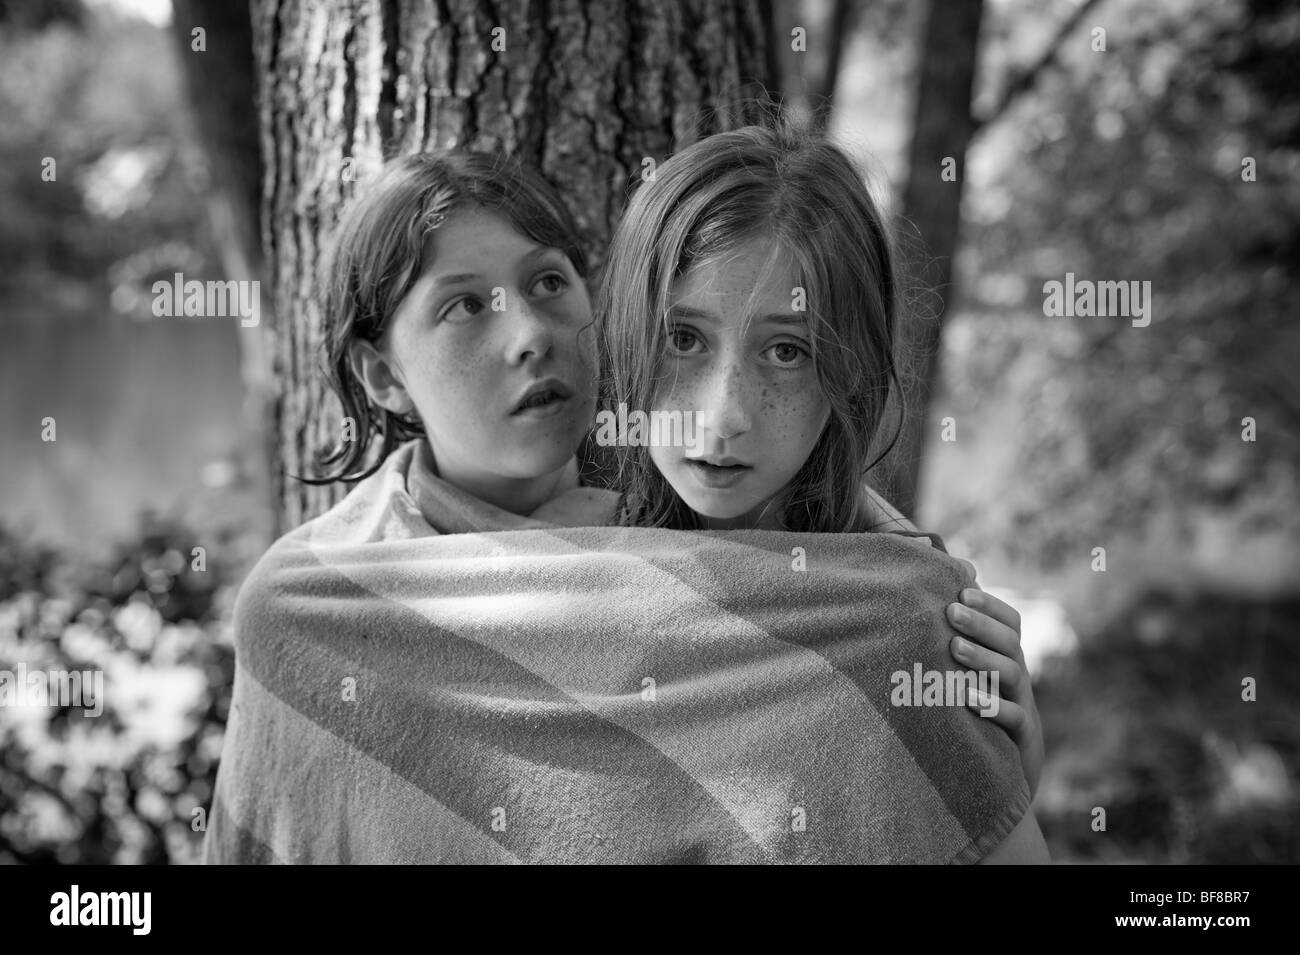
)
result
[(931, 209), (220, 85), (807, 71), (943, 128)]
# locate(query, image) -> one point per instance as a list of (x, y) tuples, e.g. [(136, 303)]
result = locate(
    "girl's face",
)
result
[(739, 356), (487, 348)]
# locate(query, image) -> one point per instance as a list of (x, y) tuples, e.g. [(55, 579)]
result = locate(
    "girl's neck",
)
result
[(762, 518), (516, 495)]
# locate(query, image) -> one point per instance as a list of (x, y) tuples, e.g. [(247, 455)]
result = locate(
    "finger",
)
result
[(969, 567), (999, 610), (981, 627), (1012, 677), (1011, 717)]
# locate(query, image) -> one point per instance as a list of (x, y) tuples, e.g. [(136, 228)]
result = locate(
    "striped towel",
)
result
[(523, 691)]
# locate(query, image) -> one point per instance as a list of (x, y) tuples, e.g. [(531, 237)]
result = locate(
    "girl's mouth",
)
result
[(541, 405), (716, 477), (545, 397)]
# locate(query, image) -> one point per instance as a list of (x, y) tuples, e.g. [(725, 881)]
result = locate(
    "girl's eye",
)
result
[(552, 283), (788, 354), (462, 309), (682, 340)]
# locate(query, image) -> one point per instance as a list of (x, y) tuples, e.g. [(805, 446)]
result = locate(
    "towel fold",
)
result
[(521, 691)]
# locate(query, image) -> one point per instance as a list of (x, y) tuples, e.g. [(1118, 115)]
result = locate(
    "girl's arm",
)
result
[(993, 629)]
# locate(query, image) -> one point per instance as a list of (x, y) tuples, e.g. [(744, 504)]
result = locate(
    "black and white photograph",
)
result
[(622, 432)]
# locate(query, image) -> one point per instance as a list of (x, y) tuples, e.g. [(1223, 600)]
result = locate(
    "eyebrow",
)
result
[(529, 258), (778, 318), (456, 279)]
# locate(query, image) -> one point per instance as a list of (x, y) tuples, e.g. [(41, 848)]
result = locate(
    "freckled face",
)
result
[(740, 358), (467, 365)]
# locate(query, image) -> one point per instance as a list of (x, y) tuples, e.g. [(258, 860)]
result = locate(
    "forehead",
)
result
[(469, 239), (755, 276)]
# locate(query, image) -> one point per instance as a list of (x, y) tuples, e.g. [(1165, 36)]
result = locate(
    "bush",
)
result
[(134, 783), (1148, 722)]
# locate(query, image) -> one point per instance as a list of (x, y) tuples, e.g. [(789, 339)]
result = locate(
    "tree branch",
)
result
[(1024, 82)]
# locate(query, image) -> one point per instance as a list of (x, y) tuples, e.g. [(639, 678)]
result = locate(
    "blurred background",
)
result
[(1173, 447)]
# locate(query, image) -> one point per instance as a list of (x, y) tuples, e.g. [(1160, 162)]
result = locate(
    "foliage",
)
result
[(1148, 722), (98, 95), (121, 786), (1128, 165)]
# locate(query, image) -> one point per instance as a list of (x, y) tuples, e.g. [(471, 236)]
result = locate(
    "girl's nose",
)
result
[(531, 333), (724, 401)]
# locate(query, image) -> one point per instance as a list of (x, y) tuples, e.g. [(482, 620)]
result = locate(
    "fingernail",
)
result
[(970, 596), (959, 613), (959, 647)]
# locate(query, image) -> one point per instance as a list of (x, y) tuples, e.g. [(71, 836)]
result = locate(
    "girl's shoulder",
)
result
[(883, 516), (933, 539), (379, 508)]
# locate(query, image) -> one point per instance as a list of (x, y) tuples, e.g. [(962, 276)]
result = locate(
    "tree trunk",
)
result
[(821, 94), (943, 128), (225, 120), (584, 89)]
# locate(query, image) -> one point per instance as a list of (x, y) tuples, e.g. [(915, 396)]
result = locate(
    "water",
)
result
[(141, 408)]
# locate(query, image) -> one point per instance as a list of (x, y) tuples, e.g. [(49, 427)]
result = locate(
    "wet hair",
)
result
[(786, 183), (375, 260)]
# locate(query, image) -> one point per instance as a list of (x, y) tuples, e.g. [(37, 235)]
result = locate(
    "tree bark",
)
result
[(943, 128), (584, 89)]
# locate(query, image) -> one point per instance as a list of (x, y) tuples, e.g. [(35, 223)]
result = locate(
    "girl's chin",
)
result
[(535, 460), (530, 438), (725, 514)]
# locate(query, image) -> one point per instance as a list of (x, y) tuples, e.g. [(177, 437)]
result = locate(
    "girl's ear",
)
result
[(378, 376)]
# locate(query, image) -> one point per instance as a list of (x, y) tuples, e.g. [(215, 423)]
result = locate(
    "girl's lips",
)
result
[(717, 478), (544, 388), (551, 408)]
